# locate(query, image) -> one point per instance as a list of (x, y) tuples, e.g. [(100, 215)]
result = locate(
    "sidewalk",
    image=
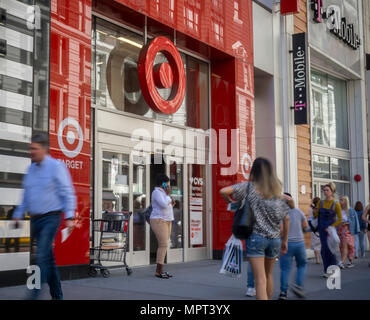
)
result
[(200, 280)]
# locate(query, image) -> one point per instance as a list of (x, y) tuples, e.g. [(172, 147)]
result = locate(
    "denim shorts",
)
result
[(257, 246)]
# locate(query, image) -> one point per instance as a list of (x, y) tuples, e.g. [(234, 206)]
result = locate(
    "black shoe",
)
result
[(283, 296), (298, 291)]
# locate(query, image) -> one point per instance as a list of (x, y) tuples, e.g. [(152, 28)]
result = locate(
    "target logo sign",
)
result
[(70, 137), (246, 165), (167, 75)]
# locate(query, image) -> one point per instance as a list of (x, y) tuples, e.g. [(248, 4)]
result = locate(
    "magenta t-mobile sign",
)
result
[(300, 78)]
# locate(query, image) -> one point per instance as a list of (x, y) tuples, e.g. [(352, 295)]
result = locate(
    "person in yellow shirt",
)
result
[(329, 213)]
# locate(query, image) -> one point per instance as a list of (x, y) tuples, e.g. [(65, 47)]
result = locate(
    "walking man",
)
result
[(297, 250), (48, 191)]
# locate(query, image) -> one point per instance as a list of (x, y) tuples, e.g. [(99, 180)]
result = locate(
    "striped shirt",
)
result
[(268, 213)]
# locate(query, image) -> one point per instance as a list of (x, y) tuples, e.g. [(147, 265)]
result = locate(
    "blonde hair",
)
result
[(346, 201), (264, 177), (331, 186)]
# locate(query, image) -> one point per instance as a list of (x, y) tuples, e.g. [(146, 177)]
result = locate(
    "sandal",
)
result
[(162, 275)]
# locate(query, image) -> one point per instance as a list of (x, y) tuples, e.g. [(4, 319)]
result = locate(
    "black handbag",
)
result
[(243, 222), (147, 213)]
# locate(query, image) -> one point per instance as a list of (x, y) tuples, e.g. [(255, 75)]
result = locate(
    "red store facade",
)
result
[(97, 109)]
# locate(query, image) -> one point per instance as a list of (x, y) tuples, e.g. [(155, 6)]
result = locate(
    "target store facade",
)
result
[(128, 90)]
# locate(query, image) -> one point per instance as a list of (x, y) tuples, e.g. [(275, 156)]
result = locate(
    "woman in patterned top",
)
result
[(264, 195)]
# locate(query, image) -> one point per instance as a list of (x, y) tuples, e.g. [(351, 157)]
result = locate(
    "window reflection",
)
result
[(117, 86), (177, 194), (115, 182), (329, 111), (116, 191), (139, 193)]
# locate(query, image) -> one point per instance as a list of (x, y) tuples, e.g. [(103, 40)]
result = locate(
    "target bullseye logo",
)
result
[(246, 164), (70, 130), (167, 75)]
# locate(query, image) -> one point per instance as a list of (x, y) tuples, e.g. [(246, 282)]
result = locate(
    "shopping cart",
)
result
[(112, 226)]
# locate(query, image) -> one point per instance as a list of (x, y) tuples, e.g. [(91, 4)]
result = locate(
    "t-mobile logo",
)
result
[(316, 6)]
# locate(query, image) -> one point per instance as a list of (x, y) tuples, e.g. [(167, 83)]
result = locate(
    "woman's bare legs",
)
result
[(258, 267), (269, 266), (344, 251)]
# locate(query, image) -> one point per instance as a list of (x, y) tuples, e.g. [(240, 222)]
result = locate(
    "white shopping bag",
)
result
[(233, 258), (333, 239)]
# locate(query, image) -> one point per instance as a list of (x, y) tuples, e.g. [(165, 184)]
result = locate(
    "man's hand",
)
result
[(70, 224), (284, 247)]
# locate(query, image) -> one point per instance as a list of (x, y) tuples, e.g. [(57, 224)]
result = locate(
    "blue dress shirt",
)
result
[(47, 187)]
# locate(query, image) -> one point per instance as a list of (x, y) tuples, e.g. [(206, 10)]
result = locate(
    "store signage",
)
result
[(167, 75), (336, 24), (289, 6), (300, 78), (196, 199), (70, 140)]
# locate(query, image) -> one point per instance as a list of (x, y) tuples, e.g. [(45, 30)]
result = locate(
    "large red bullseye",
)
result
[(163, 76)]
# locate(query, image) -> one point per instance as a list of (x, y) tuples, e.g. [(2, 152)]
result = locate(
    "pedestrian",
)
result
[(315, 239), (329, 213), (161, 221), (48, 191), (360, 237), (264, 195), (346, 231), (366, 218), (251, 289), (296, 250)]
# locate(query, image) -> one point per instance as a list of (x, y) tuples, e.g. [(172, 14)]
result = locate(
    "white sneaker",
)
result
[(341, 265), (326, 275), (251, 292)]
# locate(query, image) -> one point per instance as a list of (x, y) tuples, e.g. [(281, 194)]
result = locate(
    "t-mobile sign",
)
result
[(300, 78)]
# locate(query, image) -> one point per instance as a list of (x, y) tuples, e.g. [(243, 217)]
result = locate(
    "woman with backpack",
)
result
[(264, 195), (360, 237), (346, 232), (329, 213)]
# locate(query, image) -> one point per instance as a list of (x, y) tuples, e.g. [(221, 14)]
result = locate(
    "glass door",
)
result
[(175, 171), (124, 187), (141, 200)]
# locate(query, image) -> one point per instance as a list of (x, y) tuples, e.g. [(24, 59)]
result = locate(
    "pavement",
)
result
[(201, 280)]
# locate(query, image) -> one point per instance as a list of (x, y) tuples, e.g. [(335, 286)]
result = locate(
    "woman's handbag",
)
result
[(147, 213), (243, 222)]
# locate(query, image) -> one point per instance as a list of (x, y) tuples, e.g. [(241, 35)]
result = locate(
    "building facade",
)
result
[(71, 69)]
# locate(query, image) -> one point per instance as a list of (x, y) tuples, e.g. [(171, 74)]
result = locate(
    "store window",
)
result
[(116, 84), (177, 194), (327, 169), (139, 194), (116, 190), (329, 111)]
